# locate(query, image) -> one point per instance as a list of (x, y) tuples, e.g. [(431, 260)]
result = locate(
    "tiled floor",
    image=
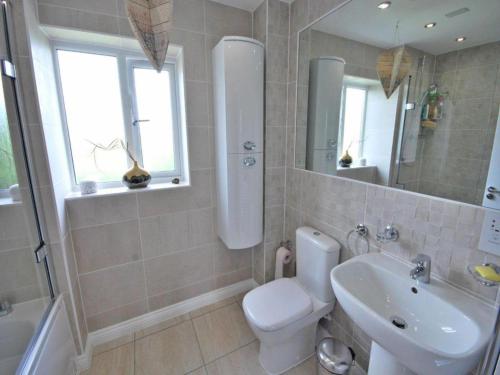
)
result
[(214, 340)]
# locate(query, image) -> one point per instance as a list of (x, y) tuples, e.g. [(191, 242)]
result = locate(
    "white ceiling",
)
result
[(361, 20), (249, 5)]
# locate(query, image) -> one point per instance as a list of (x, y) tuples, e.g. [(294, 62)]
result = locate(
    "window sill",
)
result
[(112, 191), (7, 201)]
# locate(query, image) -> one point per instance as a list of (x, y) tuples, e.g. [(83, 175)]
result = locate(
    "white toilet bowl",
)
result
[(284, 313), (284, 316)]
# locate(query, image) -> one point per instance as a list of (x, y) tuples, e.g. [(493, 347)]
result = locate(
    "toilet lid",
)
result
[(276, 304)]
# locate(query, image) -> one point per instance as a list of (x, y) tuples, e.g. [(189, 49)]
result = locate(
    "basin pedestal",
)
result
[(384, 363)]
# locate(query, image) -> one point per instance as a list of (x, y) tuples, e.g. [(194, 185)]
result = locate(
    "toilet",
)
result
[(284, 313)]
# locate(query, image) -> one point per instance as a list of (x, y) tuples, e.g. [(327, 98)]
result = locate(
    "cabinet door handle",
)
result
[(493, 190)]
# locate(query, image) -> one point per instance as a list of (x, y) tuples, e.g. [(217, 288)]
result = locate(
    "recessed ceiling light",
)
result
[(460, 39), (430, 25), (384, 5)]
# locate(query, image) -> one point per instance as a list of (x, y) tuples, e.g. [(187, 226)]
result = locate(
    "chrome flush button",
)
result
[(249, 146), (249, 162)]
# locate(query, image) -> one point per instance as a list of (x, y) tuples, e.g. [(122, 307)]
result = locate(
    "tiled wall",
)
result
[(445, 230), (142, 251), (459, 170), (271, 22)]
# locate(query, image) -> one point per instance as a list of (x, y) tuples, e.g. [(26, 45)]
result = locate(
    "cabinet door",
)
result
[(244, 85)]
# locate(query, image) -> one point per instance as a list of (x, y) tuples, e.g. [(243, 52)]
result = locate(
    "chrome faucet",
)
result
[(388, 234), (5, 307), (422, 272)]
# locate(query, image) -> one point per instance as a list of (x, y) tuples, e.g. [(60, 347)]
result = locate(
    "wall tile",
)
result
[(116, 315), (164, 234), (279, 17), (176, 270), (197, 103), (200, 148), (110, 288), (189, 15), (91, 211), (77, 19), (226, 260), (194, 53), (106, 245), (222, 20)]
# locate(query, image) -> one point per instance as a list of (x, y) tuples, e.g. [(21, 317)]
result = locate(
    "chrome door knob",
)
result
[(249, 146)]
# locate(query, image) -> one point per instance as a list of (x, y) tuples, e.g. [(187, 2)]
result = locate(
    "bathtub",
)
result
[(16, 331)]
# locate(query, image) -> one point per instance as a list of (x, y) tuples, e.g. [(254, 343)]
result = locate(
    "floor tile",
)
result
[(173, 351), (161, 326), (307, 367), (200, 371), (113, 344), (222, 331), (214, 306), (118, 361), (243, 361)]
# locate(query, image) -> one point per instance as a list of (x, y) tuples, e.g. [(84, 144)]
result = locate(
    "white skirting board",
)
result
[(107, 334)]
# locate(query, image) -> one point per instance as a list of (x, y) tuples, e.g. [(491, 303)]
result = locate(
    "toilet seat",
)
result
[(277, 304)]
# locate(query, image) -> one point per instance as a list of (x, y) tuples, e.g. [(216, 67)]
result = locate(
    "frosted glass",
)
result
[(154, 103), (92, 100)]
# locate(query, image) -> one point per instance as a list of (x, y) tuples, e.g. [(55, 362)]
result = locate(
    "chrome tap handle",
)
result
[(422, 259)]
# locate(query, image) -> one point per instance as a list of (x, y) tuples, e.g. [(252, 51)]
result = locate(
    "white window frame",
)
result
[(126, 61), (342, 106)]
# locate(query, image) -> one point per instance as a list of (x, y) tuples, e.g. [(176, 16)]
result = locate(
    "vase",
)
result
[(345, 160), (136, 177)]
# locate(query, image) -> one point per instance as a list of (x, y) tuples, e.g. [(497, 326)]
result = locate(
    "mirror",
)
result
[(406, 97)]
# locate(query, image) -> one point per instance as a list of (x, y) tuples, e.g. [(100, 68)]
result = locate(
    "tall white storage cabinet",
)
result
[(238, 75)]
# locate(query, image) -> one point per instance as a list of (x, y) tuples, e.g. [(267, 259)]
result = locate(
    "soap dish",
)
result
[(481, 280)]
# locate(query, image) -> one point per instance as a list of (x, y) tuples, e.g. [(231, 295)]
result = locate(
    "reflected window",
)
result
[(353, 119), (8, 176)]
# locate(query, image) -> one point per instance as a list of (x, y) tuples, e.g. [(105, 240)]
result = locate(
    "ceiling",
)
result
[(249, 5), (361, 20)]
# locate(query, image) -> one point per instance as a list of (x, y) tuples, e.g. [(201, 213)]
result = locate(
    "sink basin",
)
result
[(424, 328)]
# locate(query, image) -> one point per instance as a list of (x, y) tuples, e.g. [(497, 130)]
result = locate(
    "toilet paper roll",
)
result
[(283, 256)]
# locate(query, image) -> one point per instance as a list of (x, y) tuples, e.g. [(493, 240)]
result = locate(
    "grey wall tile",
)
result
[(222, 20), (91, 211), (110, 288), (177, 270), (106, 245)]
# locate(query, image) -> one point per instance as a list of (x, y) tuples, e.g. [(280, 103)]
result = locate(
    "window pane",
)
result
[(154, 103), (353, 120), (8, 174), (92, 99)]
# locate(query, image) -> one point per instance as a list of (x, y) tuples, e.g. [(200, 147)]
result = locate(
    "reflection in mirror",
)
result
[(395, 103)]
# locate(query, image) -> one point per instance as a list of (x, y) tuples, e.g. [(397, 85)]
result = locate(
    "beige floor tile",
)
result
[(161, 326), (305, 368), (200, 371), (243, 361), (209, 308), (113, 344), (173, 351), (222, 331), (118, 361)]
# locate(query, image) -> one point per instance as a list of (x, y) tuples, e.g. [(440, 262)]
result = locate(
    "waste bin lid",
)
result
[(334, 356)]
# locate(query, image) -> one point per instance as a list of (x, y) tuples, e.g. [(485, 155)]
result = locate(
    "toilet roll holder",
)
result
[(286, 244)]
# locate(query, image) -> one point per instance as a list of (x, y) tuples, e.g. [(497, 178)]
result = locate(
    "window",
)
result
[(111, 96), (353, 119), (8, 176)]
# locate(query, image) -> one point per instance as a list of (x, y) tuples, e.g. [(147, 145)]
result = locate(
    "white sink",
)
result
[(447, 330)]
